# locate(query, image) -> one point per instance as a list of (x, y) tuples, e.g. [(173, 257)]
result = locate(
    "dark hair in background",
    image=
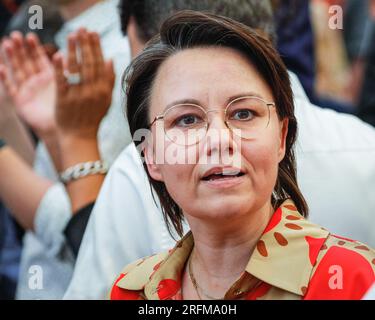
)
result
[(189, 29), (149, 14), (293, 7), (7, 10)]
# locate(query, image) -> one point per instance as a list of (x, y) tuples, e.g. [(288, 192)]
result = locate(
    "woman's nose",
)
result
[(219, 139)]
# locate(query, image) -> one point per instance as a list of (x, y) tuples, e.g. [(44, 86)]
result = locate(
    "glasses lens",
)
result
[(248, 117), (185, 124)]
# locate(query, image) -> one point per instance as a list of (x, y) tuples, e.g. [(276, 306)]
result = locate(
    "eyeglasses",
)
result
[(187, 124)]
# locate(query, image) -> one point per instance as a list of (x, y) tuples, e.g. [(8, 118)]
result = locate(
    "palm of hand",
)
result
[(81, 107), (35, 100)]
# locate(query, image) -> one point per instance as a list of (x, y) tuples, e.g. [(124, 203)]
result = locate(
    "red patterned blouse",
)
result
[(294, 259)]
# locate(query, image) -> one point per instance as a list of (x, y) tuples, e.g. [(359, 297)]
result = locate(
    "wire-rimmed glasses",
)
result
[(187, 124)]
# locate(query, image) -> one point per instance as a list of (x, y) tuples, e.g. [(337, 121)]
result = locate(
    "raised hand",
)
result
[(84, 92), (28, 77), (84, 86)]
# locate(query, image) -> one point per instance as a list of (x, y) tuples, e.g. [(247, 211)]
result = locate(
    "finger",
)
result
[(58, 63), (7, 81), (87, 66), (21, 53), (39, 57), (12, 62), (72, 63), (97, 54)]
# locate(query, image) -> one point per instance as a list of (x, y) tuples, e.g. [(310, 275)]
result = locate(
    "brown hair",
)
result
[(191, 29)]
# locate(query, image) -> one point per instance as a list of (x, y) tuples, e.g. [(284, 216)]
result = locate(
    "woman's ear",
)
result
[(152, 167), (283, 135)]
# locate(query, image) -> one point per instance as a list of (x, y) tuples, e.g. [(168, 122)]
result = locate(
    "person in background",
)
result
[(51, 202), (356, 41), (329, 155), (70, 128), (295, 40), (332, 64), (15, 133), (296, 44)]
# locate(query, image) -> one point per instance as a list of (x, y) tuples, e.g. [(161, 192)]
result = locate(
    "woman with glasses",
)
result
[(217, 103)]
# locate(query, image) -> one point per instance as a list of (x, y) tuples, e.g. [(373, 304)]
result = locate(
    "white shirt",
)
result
[(336, 171), (45, 248)]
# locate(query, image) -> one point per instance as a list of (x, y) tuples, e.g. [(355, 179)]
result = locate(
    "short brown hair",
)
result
[(191, 29)]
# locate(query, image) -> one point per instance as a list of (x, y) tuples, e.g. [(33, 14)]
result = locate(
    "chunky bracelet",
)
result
[(2, 143), (84, 169)]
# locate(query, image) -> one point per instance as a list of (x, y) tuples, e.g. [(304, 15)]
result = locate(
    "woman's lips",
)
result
[(222, 170), (224, 182)]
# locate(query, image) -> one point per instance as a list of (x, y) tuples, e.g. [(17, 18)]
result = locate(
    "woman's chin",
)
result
[(224, 207)]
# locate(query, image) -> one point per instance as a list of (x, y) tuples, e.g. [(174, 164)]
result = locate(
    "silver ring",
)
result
[(72, 78)]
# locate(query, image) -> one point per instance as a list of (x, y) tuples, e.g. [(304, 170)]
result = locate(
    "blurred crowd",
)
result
[(69, 177)]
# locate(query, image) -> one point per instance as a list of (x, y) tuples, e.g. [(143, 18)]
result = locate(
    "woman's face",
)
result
[(228, 176)]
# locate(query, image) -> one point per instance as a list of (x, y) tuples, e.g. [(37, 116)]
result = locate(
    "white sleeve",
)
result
[(335, 156), (43, 164), (124, 226), (51, 218)]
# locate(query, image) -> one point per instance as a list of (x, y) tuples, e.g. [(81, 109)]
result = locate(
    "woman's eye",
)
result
[(242, 115), (187, 120)]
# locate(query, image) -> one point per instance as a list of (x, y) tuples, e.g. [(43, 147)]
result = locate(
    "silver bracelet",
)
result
[(84, 169)]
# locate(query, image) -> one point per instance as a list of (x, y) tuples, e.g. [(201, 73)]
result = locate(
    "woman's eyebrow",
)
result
[(231, 98), (182, 101), (244, 94)]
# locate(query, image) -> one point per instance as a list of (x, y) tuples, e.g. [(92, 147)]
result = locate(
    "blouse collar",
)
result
[(284, 257)]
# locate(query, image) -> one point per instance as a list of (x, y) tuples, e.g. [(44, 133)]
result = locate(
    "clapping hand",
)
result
[(84, 86), (84, 93), (28, 77)]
